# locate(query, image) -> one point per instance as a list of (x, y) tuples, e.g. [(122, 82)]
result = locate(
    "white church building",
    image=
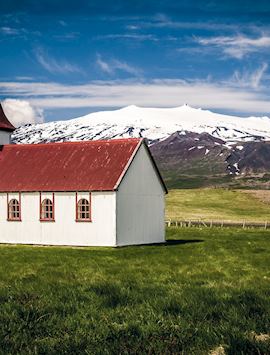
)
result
[(90, 193)]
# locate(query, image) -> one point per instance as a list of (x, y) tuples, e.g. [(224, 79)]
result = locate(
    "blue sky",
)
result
[(68, 58)]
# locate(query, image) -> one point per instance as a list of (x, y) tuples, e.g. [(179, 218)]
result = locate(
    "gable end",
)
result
[(142, 142)]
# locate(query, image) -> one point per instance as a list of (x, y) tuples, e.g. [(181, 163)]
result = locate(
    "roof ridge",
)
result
[(118, 140)]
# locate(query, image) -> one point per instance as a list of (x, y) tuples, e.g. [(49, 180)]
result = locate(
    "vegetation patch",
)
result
[(182, 297), (217, 204)]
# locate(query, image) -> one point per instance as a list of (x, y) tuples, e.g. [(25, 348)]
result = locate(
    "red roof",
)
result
[(69, 166), (5, 125)]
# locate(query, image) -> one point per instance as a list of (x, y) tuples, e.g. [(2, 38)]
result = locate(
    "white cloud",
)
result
[(110, 67), (156, 93), (249, 79), (20, 112), (54, 66), (236, 46)]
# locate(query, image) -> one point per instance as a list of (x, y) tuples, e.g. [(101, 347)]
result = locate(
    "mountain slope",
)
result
[(153, 123), (198, 159), (180, 151), (192, 159)]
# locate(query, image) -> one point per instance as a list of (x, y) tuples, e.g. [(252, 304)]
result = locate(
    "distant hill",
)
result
[(193, 147)]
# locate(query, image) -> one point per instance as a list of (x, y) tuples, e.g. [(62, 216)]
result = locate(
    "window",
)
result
[(14, 210), (47, 210), (83, 210)]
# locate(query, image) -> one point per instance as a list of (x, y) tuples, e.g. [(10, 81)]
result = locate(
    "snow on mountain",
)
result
[(153, 123)]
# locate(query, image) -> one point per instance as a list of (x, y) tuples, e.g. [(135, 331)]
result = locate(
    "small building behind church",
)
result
[(90, 193)]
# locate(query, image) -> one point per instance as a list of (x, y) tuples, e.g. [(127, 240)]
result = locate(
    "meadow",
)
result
[(204, 289), (219, 204)]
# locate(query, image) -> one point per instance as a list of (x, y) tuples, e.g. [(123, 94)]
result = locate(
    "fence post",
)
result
[(244, 224), (265, 225)]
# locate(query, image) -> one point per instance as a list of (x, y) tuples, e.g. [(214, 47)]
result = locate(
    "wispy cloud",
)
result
[(112, 66), (67, 36), (24, 78), (63, 23), (20, 32), (104, 66), (251, 79), (138, 37), (132, 27), (166, 22), (9, 31), (129, 36), (155, 93), (54, 66), (236, 46)]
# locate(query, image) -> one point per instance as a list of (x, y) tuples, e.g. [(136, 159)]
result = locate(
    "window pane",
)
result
[(14, 209), (83, 209), (47, 209)]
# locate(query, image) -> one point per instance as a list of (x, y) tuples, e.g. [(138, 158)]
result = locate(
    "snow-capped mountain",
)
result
[(153, 123), (192, 147)]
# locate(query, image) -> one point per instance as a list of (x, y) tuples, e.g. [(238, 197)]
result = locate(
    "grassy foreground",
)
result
[(205, 288), (217, 204)]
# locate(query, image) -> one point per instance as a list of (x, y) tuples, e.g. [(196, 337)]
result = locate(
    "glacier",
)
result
[(155, 124)]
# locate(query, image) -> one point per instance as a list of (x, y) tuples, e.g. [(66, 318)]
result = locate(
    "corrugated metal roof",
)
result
[(69, 166), (5, 125)]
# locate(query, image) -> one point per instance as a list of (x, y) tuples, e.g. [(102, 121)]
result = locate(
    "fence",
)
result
[(174, 222)]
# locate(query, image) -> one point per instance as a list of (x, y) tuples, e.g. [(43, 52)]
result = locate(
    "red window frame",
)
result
[(10, 218), (41, 211), (78, 218)]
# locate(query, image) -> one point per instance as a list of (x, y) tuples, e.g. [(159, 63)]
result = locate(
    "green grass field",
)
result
[(205, 288), (216, 204)]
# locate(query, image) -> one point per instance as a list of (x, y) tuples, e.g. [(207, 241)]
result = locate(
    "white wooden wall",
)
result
[(140, 204), (4, 137), (65, 230)]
